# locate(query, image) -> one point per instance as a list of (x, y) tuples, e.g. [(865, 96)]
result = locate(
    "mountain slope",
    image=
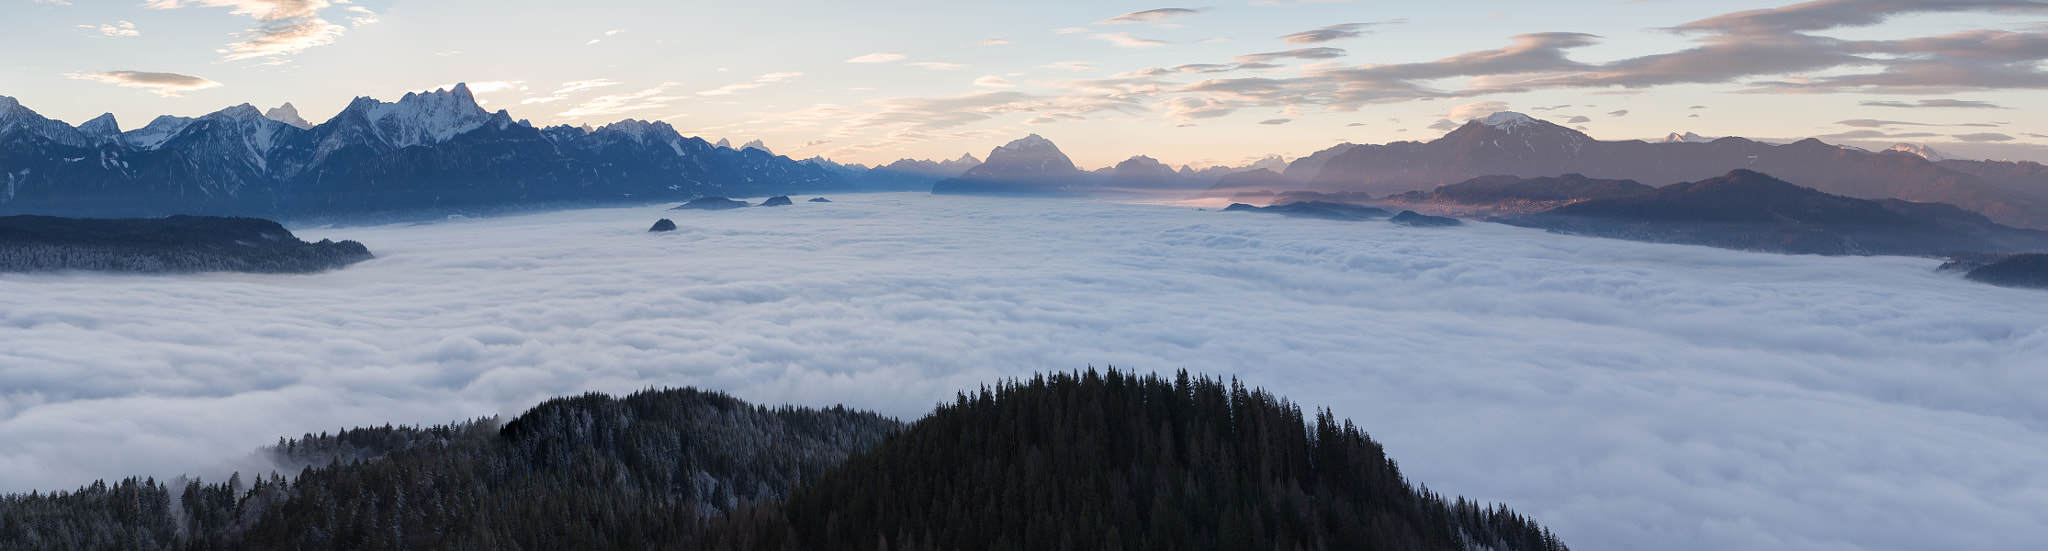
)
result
[(1031, 165), (1749, 210)]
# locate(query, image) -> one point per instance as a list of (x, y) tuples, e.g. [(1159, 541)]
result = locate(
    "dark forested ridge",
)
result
[(159, 245), (1066, 461)]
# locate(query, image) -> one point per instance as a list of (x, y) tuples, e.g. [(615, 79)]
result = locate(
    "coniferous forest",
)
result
[(1067, 461)]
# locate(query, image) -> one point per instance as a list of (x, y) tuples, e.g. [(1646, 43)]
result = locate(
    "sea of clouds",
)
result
[(1627, 395)]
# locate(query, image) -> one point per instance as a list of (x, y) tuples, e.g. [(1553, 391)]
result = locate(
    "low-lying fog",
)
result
[(1628, 395)]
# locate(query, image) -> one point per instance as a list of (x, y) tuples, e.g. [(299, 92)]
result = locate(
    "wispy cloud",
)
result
[(170, 85), (878, 57), (938, 65), (1149, 16), (284, 27), (607, 34), (1475, 110), (122, 28), (758, 82), (1334, 32), (1125, 40), (992, 42), (1077, 66), (1983, 137), (615, 104), (1936, 104), (568, 89), (992, 81), (1276, 121)]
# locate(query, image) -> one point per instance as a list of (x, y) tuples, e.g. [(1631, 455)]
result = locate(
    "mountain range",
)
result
[(1508, 143), (436, 151)]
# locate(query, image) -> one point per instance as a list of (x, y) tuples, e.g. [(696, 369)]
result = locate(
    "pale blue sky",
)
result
[(784, 72)]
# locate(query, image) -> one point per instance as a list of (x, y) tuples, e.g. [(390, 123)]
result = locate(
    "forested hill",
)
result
[(1119, 461), (1077, 461), (165, 245)]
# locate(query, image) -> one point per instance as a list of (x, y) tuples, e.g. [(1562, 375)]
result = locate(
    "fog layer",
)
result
[(1628, 395)]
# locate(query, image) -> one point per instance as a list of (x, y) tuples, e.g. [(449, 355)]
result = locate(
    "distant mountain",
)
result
[(1687, 137), (1514, 144), (288, 115), (2024, 176), (757, 144), (2021, 270), (1315, 209), (165, 245), (1028, 166), (1141, 173), (1749, 210), (1499, 194), (437, 151), (1922, 151), (913, 174)]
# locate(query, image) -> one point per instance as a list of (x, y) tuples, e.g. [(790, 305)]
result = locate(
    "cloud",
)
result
[(1626, 395), (1125, 40), (170, 85), (1302, 53), (616, 104), (1579, 119), (992, 81), (1936, 103), (878, 57), (1276, 121), (121, 28), (1444, 125), (758, 82), (284, 27), (568, 89), (1078, 66), (992, 42), (1476, 110), (1191, 108), (938, 65), (359, 16), (1149, 16), (1983, 137), (1618, 113), (1333, 32), (1875, 123)]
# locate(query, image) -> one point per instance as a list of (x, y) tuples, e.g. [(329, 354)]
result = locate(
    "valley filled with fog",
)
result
[(1627, 395)]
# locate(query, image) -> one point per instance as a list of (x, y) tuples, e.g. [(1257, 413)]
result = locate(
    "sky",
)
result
[(1627, 395), (1208, 84)]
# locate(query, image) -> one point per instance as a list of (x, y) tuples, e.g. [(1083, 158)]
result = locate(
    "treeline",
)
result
[(175, 244), (1069, 461)]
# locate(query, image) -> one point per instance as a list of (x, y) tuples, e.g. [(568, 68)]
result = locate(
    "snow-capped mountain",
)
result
[(427, 151), (288, 115), (1687, 137), (1922, 151)]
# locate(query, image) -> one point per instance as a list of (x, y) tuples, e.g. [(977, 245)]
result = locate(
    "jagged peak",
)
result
[(243, 111), (100, 126), (757, 144), (967, 158), (289, 115), (1687, 137), (722, 143)]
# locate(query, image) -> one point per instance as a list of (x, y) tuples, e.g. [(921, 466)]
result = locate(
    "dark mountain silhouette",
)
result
[(662, 225), (1315, 209), (2020, 270), (1082, 461), (711, 203), (1753, 211), (432, 152), (165, 245), (2027, 176), (777, 201), (1416, 219), (1514, 144), (1028, 166)]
